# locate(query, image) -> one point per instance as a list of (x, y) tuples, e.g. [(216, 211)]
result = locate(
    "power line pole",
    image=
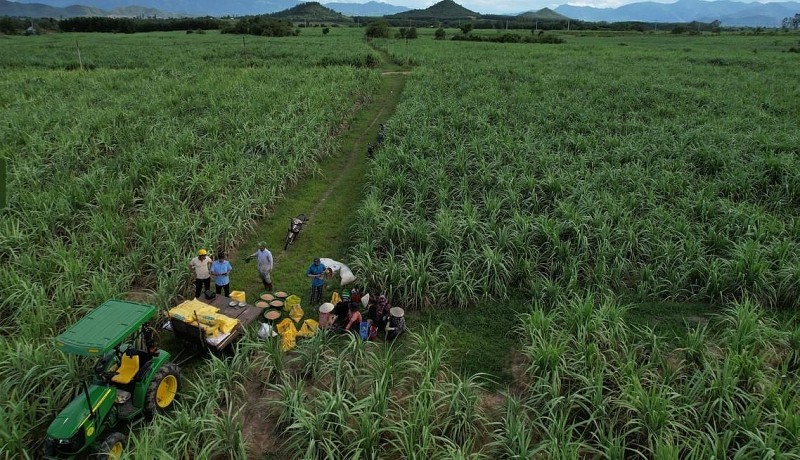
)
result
[(80, 61), (2, 183)]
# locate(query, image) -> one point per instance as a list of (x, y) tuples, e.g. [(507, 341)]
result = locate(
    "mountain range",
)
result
[(366, 9), (40, 10), (729, 13)]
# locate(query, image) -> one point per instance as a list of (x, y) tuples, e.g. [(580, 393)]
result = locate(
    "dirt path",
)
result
[(356, 153), (329, 200)]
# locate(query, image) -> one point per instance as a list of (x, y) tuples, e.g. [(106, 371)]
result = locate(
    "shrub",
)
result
[(261, 25), (377, 29), (439, 34)]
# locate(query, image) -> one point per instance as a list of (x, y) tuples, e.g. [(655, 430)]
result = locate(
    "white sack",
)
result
[(266, 331), (343, 270)]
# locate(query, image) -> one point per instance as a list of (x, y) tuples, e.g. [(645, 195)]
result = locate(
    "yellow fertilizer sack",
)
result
[(291, 301), (296, 314), (288, 334), (308, 329), (186, 311), (212, 331), (288, 340), (285, 325), (226, 324)]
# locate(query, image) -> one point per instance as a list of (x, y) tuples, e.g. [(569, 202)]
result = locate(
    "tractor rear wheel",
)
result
[(113, 447), (163, 389)]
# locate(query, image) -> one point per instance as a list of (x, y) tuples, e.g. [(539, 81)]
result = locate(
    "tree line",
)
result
[(253, 25), (17, 26), (131, 25), (792, 22)]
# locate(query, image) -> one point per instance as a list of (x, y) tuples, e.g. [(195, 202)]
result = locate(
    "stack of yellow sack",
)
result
[(187, 311), (204, 316), (289, 332)]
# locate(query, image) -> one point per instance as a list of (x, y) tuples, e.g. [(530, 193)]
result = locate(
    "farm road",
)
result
[(329, 200)]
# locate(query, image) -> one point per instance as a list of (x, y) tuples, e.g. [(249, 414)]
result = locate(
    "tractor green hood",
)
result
[(104, 328), (76, 415)]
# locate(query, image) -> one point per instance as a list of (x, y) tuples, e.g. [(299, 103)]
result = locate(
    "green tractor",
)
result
[(131, 378)]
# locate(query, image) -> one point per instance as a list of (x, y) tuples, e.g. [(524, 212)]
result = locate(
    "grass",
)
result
[(481, 339), (671, 319)]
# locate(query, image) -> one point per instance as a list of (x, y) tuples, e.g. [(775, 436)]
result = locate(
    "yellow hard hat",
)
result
[(202, 252)]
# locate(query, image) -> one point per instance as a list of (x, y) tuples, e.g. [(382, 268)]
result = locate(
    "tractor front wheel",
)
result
[(49, 448), (163, 389), (112, 447)]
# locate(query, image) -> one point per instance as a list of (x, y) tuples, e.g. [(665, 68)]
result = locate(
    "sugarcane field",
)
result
[(566, 244)]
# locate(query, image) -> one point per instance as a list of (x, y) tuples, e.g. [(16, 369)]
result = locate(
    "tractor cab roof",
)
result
[(104, 328)]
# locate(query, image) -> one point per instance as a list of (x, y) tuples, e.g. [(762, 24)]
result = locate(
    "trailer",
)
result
[(195, 338)]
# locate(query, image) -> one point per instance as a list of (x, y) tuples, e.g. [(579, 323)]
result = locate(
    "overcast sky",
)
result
[(512, 6)]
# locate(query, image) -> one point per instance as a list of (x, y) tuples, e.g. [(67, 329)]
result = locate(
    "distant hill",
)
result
[(729, 13), (311, 11), (39, 10), (545, 14), (446, 9), (186, 7), (366, 9)]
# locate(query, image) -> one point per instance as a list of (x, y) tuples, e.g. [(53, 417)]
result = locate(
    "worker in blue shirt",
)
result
[(316, 271), (220, 269)]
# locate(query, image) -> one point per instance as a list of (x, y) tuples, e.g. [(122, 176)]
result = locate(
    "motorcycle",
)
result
[(295, 225)]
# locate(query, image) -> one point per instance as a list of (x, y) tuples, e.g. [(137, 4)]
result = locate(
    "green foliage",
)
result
[(261, 25), (439, 34), (457, 207), (98, 24), (12, 26), (377, 29), (511, 38), (128, 25), (407, 33), (466, 28)]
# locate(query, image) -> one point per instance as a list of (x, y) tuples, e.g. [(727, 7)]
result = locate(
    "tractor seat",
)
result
[(127, 369)]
